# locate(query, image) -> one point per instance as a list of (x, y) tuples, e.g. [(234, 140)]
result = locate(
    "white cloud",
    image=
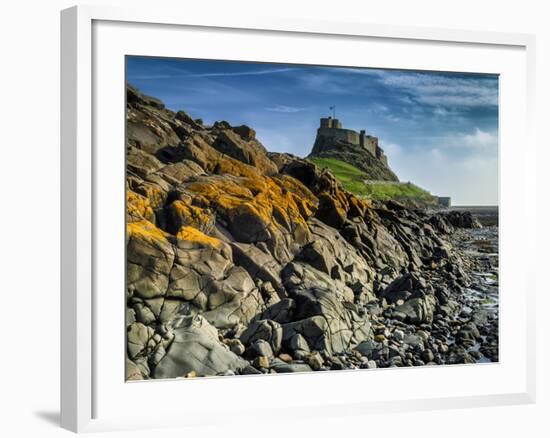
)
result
[(479, 140), (437, 154), (243, 73), (390, 149), (284, 109), (437, 89), (469, 180), (184, 74), (379, 108), (433, 89)]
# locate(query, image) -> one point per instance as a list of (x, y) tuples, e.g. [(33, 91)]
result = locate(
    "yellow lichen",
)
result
[(281, 204), (193, 235), (155, 195), (187, 214), (146, 230), (138, 206)]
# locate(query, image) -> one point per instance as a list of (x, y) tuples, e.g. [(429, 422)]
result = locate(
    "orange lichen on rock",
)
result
[(261, 208), (213, 161), (304, 199), (155, 194), (195, 236), (138, 207), (224, 193), (145, 230), (183, 213), (357, 207)]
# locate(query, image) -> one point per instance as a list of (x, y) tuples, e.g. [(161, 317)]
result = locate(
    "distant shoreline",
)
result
[(487, 215)]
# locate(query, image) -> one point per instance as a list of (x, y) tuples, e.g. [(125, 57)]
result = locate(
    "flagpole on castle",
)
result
[(333, 108)]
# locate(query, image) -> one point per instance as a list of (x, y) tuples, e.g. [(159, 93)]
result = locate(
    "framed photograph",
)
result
[(308, 218)]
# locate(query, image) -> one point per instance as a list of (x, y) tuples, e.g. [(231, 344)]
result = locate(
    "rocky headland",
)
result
[(241, 261)]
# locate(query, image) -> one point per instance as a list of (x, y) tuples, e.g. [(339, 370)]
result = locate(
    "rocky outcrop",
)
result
[(241, 261), (373, 168), (196, 349)]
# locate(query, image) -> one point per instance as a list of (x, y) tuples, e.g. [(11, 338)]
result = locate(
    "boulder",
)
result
[(460, 219), (260, 348), (132, 371), (281, 312), (282, 367), (325, 314), (204, 274), (150, 256), (405, 286), (196, 348), (419, 310), (140, 340), (264, 329), (245, 132), (240, 144), (262, 211), (259, 264)]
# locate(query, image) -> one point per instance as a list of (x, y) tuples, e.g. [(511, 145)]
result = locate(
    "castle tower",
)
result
[(326, 122), (329, 122)]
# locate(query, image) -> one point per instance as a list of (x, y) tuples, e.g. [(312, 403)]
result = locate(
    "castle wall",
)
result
[(326, 122), (330, 132), (335, 134), (371, 143)]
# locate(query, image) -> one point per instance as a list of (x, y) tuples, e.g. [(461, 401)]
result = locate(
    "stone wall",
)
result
[(371, 143), (331, 135)]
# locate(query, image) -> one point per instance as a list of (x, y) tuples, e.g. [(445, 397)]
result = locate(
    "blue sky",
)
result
[(439, 130)]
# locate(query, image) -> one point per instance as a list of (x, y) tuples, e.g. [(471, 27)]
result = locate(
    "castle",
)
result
[(330, 132)]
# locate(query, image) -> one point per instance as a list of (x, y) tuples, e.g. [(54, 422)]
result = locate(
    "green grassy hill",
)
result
[(353, 179)]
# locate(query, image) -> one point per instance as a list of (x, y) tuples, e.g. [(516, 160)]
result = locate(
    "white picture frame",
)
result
[(83, 387)]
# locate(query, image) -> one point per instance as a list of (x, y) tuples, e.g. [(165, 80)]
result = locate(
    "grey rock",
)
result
[(372, 349), (415, 342), (280, 312), (302, 277), (149, 261), (419, 310), (315, 361), (399, 316), (141, 162), (249, 151), (325, 311), (267, 330), (130, 316), (133, 372), (236, 346), (261, 362), (260, 348), (398, 335), (404, 287), (298, 342), (427, 356), (139, 337), (204, 275), (259, 264), (333, 255), (196, 348), (144, 314), (282, 367)]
